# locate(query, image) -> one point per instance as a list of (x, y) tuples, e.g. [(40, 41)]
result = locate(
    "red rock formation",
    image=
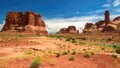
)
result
[(69, 30), (117, 18), (100, 24), (110, 28), (63, 30), (107, 18), (29, 22), (88, 25), (13, 19)]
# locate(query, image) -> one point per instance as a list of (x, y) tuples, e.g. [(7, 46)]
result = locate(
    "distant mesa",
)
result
[(28, 22), (103, 25), (70, 30)]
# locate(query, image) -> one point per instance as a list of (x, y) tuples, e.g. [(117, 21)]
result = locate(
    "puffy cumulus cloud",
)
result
[(116, 3), (1, 25), (55, 24)]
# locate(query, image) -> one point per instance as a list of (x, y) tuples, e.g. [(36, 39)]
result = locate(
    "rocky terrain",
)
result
[(104, 25), (69, 30), (25, 43), (28, 22)]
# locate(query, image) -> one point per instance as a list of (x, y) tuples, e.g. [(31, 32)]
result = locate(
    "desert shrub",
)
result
[(69, 39), (73, 41), (109, 39), (58, 54), (65, 53), (74, 52), (36, 62), (72, 57), (114, 46), (114, 56), (59, 37), (83, 38), (82, 42), (29, 52), (86, 54), (118, 50)]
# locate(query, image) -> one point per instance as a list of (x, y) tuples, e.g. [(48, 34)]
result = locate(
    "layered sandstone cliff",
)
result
[(28, 22)]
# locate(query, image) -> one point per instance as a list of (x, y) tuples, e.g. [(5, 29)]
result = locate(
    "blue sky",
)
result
[(62, 13)]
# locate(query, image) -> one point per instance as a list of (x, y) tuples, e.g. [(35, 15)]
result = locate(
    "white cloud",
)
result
[(116, 3), (55, 24), (111, 3), (106, 5), (1, 25), (96, 11)]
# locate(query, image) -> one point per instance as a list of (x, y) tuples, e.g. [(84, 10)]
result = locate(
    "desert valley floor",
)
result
[(58, 51)]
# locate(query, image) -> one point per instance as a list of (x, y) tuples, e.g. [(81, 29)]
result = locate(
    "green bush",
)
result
[(36, 62), (64, 53), (72, 57), (58, 54), (114, 46), (86, 54), (83, 38), (69, 39), (29, 52), (118, 50), (74, 52)]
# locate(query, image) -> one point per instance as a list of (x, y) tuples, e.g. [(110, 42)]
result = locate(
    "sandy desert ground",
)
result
[(57, 51)]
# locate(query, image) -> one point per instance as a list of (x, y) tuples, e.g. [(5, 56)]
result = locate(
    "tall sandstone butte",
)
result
[(107, 17), (28, 22)]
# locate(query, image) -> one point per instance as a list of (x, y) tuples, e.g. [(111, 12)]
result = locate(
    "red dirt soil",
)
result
[(95, 61)]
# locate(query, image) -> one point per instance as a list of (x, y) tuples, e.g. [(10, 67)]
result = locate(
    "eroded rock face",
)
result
[(28, 22), (103, 25), (100, 24), (88, 25), (12, 19), (116, 20), (69, 30), (110, 27)]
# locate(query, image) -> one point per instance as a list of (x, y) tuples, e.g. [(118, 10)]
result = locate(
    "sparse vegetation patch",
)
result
[(87, 54), (36, 62), (72, 57)]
